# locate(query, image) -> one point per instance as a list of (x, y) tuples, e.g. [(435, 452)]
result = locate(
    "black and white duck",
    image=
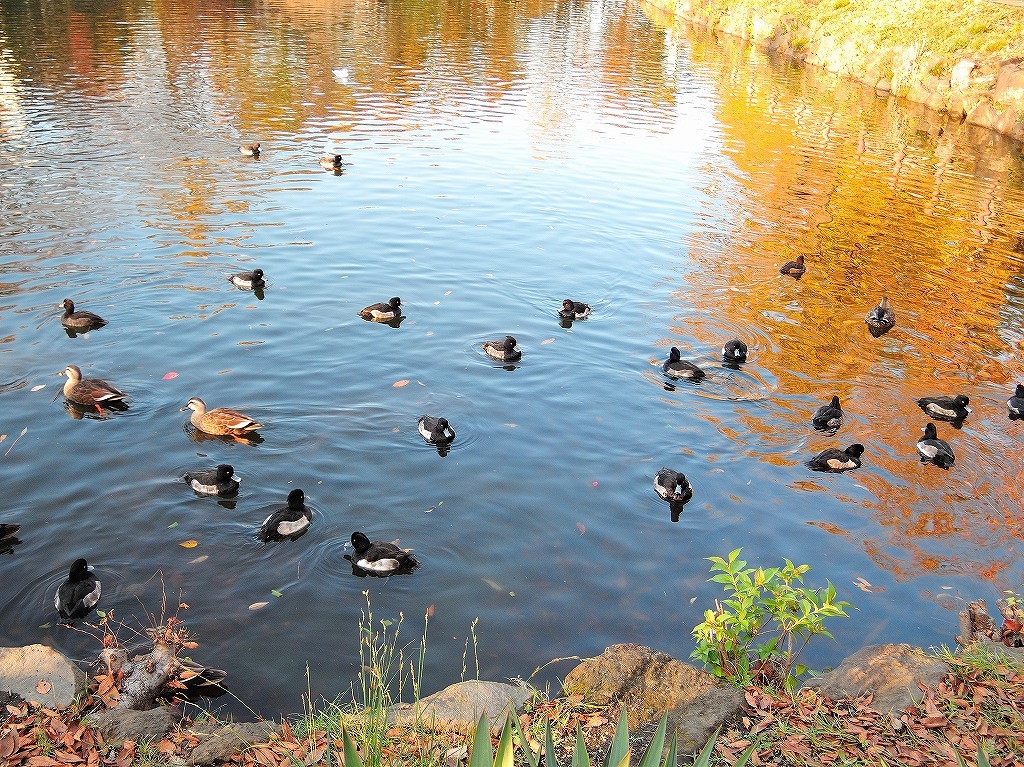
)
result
[(946, 408), (290, 522), (383, 312), (734, 351), (828, 417), (574, 310), (935, 450), (676, 367), (503, 350), (672, 486), (380, 557), (248, 280), (81, 319), (836, 460), (218, 481), (78, 595), (1015, 405), (436, 431)]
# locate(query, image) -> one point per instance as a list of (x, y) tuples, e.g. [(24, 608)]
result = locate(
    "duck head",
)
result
[(257, 274), (73, 372), (360, 542), (79, 571), (69, 306), (296, 500), (930, 432), (510, 343), (856, 450), (194, 404), (961, 400), (673, 354), (224, 472)]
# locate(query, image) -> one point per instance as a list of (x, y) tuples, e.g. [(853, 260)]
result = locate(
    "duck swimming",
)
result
[(218, 481), (675, 367), (250, 150), (8, 530), (80, 320), (935, 450), (881, 319), (332, 163), (90, 391), (946, 408), (436, 431), (734, 351), (1015, 405), (794, 269), (290, 522), (828, 416), (383, 312), (220, 420), (672, 486), (251, 280), (836, 460), (574, 310), (503, 350), (76, 596), (380, 556)]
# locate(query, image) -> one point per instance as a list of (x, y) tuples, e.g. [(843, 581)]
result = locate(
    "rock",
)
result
[(960, 76), (889, 672), (41, 675), (458, 706), (120, 725), (218, 742), (649, 682), (984, 114), (696, 721), (1009, 88)]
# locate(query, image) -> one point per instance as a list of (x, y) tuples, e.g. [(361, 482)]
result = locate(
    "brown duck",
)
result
[(89, 391), (220, 420), (80, 320)]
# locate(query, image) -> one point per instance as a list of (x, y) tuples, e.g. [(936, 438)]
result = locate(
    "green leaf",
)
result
[(619, 749), (173, 524), (276, 593), (671, 760), (481, 755), (652, 757), (524, 741), (351, 755), (549, 747), (580, 758), (503, 756), (745, 756), (704, 757)]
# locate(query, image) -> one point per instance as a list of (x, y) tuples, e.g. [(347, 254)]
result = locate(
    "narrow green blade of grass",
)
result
[(532, 759), (503, 756), (652, 758), (671, 760), (351, 755), (619, 750), (549, 747), (580, 757), (704, 757), (481, 755), (982, 757), (745, 756)]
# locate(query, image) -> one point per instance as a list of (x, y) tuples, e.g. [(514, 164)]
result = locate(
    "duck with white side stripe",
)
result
[(287, 523), (78, 595)]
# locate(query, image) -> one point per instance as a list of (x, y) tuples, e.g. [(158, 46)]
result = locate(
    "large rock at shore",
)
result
[(218, 742), (41, 675), (650, 683), (119, 725), (889, 672), (458, 707)]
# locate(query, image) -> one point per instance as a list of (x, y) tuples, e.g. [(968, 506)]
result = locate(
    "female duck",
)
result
[(673, 486), (946, 408), (934, 449), (8, 530), (503, 350), (676, 367), (836, 460), (249, 280), (290, 522), (379, 556), (332, 163), (217, 481), (436, 431), (881, 319), (383, 312), (76, 596), (828, 416), (734, 351), (574, 310), (250, 150), (80, 320), (794, 269), (220, 420), (90, 391), (1016, 403)]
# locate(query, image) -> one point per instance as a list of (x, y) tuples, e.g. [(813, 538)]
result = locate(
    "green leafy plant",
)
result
[(759, 630)]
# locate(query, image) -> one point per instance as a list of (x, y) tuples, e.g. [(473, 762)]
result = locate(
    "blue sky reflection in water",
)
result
[(499, 159)]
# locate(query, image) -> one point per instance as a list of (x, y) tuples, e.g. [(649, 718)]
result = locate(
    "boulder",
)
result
[(219, 741), (458, 707), (119, 725), (41, 675), (696, 721), (960, 76), (891, 673)]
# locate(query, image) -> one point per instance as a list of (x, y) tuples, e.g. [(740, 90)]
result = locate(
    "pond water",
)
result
[(499, 158)]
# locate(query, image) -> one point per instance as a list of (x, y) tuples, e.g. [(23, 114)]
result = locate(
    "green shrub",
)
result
[(759, 630)]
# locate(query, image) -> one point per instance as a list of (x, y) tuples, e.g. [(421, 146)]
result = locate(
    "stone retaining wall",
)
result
[(982, 89)]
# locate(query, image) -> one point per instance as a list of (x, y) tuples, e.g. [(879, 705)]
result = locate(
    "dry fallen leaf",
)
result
[(43, 687), (581, 527), (169, 376), (189, 544), (399, 384), (547, 341), (197, 560), (258, 605), (38, 387)]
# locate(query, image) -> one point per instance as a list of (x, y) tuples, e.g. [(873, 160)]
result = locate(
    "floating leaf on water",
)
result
[(198, 560), (3, 437), (430, 332), (437, 303), (511, 593), (258, 605), (183, 606), (37, 387), (581, 527), (447, 292), (430, 610), (395, 429), (190, 544), (276, 593), (427, 511), (594, 483), (440, 503), (44, 626), (512, 425), (250, 343), (400, 384), (169, 376), (421, 383), (173, 524), (493, 584), (692, 600), (222, 372), (547, 341)]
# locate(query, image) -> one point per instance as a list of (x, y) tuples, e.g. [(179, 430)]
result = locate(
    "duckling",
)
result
[(332, 163), (881, 319), (672, 486), (290, 522), (76, 596), (380, 556), (218, 481), (80, 320), (946, 408), (251, 280), (794, 269), (836, 460), (503, 350), (828, 416), (574, 310), (675, 367), (436, 431), (934, 449), (8, 530), (250, 150), (734, 351), (220, 420), (89, 391), (383, 312), (1016, 403)]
